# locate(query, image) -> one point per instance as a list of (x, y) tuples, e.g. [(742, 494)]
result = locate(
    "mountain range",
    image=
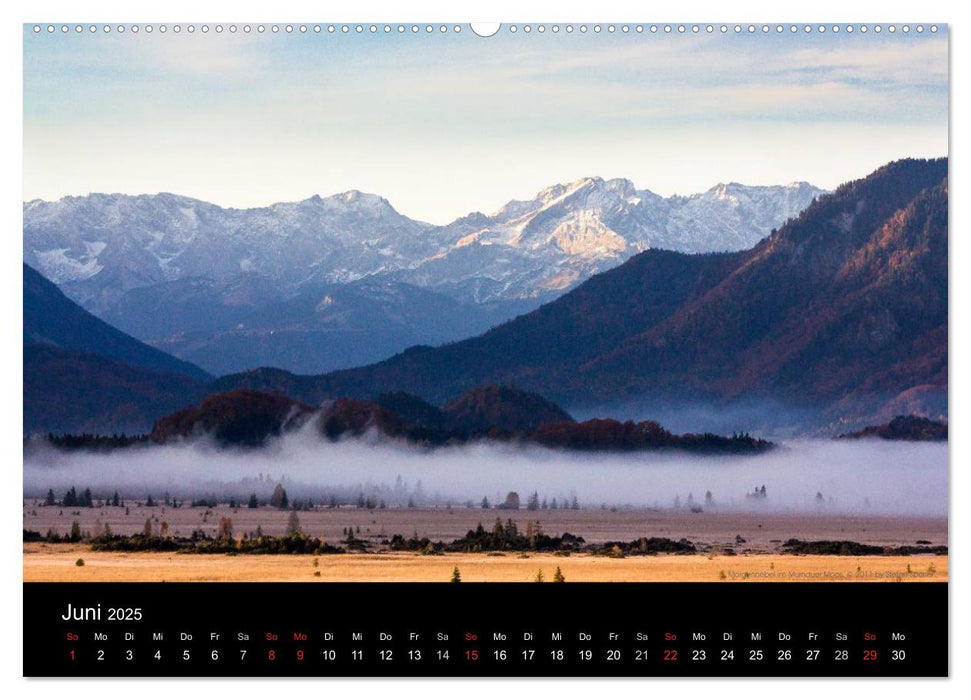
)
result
[(334, 282), (843, 310), (840, 313)]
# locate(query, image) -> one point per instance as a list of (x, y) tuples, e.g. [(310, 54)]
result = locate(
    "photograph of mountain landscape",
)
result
[(406, 303)]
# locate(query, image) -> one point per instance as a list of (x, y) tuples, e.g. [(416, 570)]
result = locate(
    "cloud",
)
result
[(922, 63), (211, 115), (214, 56)]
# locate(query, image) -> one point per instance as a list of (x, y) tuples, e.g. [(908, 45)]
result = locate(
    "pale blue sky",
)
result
[(445, 124)]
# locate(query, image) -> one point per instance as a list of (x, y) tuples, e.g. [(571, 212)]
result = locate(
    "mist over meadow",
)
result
[(852, 476)]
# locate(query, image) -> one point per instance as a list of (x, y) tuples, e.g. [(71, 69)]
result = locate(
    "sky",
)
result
[(443, 124)]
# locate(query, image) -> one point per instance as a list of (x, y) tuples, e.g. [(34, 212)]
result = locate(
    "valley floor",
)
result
[(59, 563), (755, 537), (745, 532)]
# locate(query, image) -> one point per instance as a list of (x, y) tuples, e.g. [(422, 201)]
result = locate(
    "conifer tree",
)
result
[(279, 498), (533, 502), (225, 530), (293, 523)]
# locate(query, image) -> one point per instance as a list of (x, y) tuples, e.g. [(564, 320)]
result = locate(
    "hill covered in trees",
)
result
[(240, 417), (912, 428), (248, 418), (490, 408)]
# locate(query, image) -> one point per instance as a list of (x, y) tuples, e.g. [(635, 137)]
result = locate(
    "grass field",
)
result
[(58, 562)]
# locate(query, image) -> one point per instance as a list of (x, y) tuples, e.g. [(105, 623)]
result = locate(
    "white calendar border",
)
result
[(928, 11)]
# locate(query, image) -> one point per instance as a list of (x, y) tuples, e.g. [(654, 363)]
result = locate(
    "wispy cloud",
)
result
[(358, 111), (921, 63)]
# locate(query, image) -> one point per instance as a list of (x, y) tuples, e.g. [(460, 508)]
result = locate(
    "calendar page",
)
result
[(545, 349)]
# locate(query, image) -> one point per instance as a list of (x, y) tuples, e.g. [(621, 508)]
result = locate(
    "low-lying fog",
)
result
[(852, 476)]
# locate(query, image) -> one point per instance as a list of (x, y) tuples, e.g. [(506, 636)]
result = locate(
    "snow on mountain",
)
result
[(568, 232), (733, 216), (100, 246), (102, 242)]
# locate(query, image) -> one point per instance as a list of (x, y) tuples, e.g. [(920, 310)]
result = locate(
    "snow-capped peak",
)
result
[(102, 245)]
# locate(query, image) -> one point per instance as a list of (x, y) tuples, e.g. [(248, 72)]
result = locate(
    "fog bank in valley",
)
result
[(852, 476)]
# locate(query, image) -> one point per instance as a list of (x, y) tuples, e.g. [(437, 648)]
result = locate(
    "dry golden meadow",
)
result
[(46, 562)]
